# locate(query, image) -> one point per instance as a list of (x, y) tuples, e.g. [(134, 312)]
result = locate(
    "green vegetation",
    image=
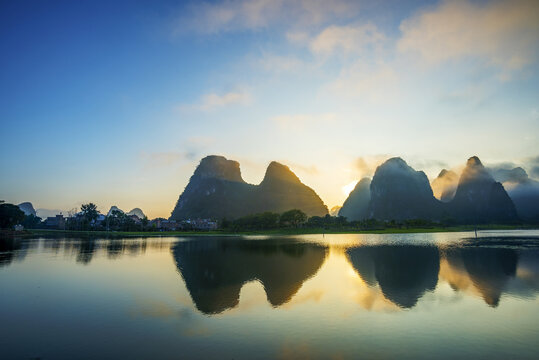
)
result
[(10, 215)]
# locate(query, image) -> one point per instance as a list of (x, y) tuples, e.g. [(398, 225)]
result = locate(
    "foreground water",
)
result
[(442, 295)]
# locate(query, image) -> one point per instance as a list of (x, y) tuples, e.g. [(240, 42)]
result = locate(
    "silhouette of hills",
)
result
[(521, 189), (398, 192), (217, 190), (479, 198), (356, 206)]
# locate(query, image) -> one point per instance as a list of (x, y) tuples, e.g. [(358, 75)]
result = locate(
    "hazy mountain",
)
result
[(445, 185), (398, 192), (356, 206), (521, 189), (112, 208), (217, 190), (334, 211), (27, 208), (479, 198), (281, 190), (138, 212)]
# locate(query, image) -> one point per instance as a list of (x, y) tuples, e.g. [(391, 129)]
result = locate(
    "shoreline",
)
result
[(272, 232)]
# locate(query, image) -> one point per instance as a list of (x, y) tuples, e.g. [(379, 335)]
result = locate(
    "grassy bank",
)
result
[(275, 232)]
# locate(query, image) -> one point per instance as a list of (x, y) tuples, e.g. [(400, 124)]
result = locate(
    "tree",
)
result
[(31, 221), (144, 222), (89, 212), (293, 217), (10, 215)]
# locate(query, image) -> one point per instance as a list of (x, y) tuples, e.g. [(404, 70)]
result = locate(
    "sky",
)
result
[(116, 102)]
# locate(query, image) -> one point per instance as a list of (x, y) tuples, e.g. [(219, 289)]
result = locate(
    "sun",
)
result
[(347, 189)]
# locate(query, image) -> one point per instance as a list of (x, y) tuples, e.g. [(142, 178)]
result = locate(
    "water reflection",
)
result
[(489, 269), (82, 250), (14, 249), (404, 273), (493, 266), (214, 270)]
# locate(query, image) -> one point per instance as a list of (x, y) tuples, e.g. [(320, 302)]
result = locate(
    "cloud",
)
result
[(214, 101), (282, 63), (501, 33), (302, 121), (352, 39), (377, 83), (366, 165), (241, 15), (533, 165), (155, 160)]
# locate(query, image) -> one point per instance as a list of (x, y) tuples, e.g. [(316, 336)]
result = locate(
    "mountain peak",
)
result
[(280, 172), (114, 208), (219, 167), (27, 208), (474, 161), (475, 171), (138, 212)]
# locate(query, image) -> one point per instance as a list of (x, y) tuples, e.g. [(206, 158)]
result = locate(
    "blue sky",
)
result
[(116, 103)]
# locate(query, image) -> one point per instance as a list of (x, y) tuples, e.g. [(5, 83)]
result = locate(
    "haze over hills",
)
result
[(480, 198), (523, 191), (27, 208), (398, 192), (356, 206), (217, 190), (445, 185)]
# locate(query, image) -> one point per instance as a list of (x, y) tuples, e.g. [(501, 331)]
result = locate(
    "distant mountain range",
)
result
[(217, 190), (136, 211), (398, 192), (28, 209)]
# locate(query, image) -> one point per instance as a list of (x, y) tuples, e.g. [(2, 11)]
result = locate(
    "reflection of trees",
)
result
[(214, 270), (86, 251), (13, 249), (403, 272)]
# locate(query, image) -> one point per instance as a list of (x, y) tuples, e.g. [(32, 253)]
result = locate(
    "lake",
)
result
[(437, 295)]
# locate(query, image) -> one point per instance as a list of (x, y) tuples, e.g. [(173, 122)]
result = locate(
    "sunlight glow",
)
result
[(347, 189)]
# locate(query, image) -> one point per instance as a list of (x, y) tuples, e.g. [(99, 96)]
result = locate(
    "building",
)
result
[(56, 222)]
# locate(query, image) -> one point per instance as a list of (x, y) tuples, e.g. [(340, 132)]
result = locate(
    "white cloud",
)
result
[(377, 83), (238, 15), (282, 63), (347, 39), (501, 33), (302, 121), (213, 101)]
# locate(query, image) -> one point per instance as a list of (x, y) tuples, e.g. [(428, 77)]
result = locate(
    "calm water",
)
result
[(333, 296)]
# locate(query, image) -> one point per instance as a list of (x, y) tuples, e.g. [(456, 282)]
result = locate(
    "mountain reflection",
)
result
[(404, 272), (214, 270), (495, 267)]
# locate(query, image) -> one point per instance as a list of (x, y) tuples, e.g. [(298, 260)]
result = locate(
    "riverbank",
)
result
[(271, 232)]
